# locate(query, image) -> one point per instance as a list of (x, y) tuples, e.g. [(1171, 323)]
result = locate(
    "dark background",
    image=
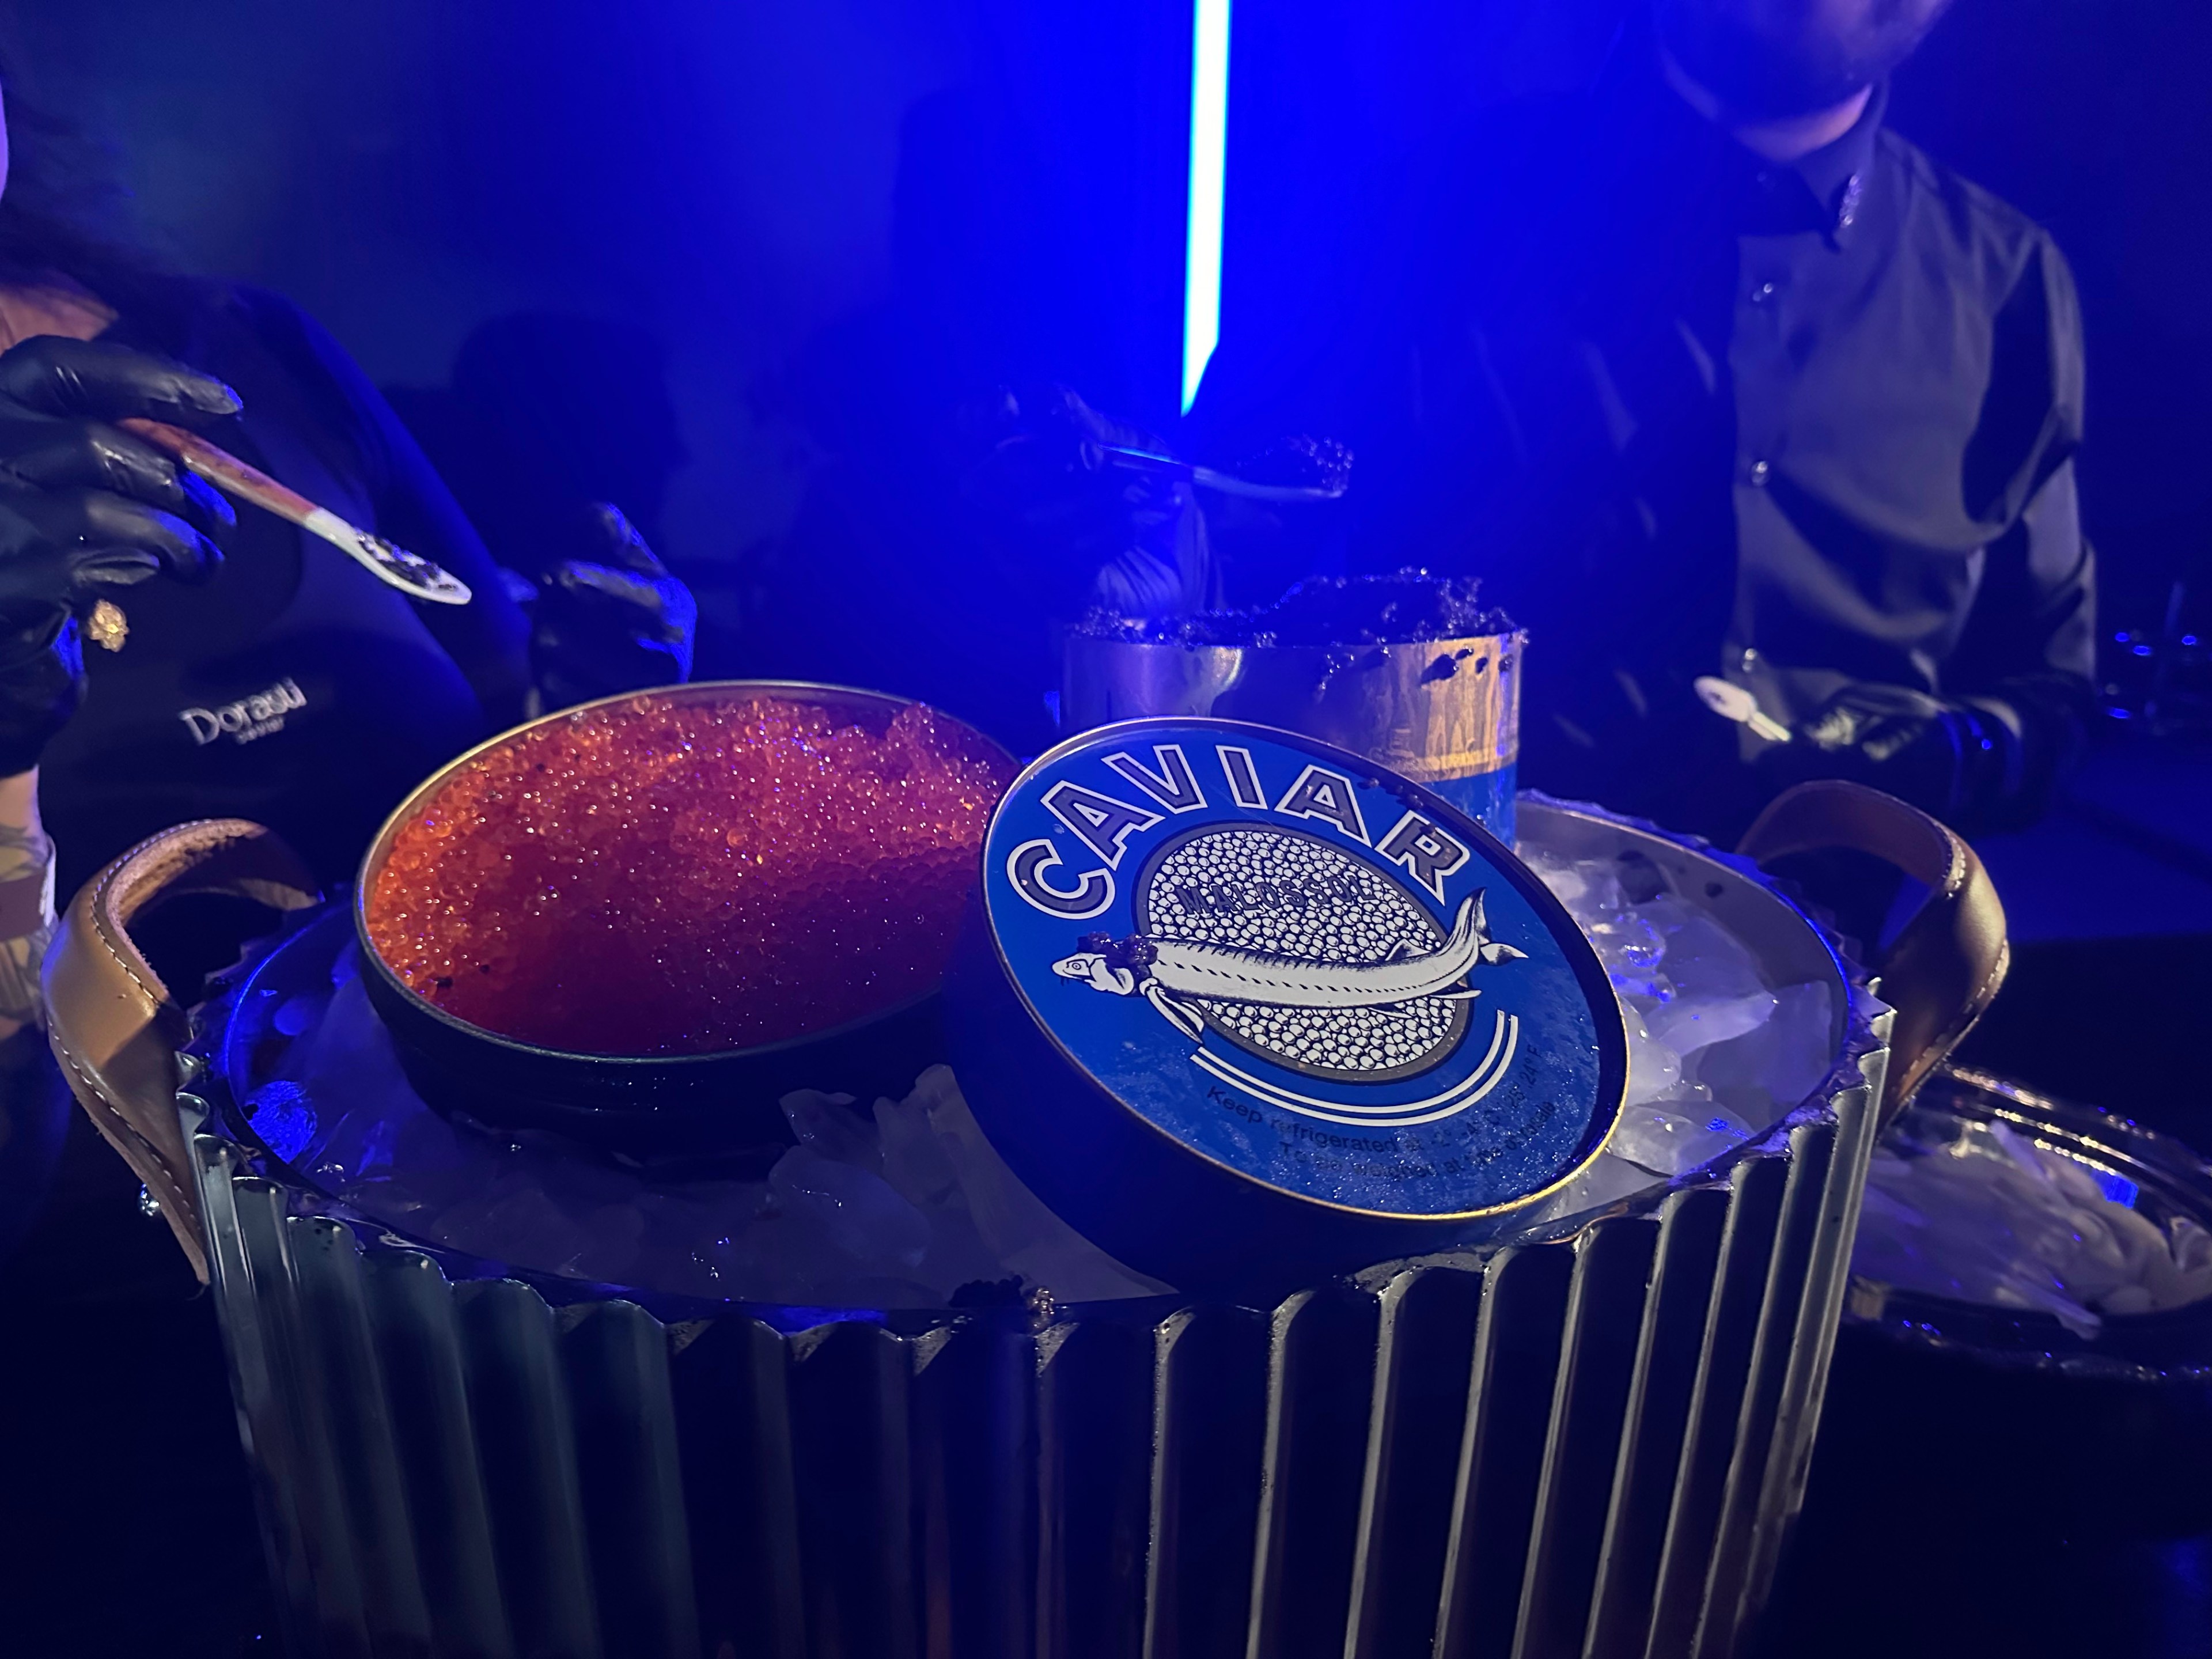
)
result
[(775, 191), (731, 178)]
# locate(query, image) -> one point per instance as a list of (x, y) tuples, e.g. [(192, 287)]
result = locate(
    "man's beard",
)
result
[(1765, 58)]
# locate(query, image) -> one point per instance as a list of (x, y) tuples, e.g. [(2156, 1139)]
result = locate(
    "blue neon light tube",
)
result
[(1209, 167)]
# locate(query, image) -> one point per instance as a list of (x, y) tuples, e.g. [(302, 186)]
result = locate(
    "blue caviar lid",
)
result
[(1297, 1014)]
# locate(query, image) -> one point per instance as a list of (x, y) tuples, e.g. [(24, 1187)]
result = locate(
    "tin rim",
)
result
[(1605, 1006)]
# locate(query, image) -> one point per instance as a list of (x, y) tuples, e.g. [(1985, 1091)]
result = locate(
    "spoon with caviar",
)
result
[(1299, 469), (395, 567)]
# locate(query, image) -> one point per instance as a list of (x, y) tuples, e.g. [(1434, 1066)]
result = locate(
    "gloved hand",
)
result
[(1068, 526), (85, 510), (1949, 758), (612, 620)]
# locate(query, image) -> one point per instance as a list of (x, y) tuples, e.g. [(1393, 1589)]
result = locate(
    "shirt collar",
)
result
[(1837, 173), (1665, 132)]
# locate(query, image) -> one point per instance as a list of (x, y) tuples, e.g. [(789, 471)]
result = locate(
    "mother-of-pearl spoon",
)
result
[(396, 567), (1731, 701)]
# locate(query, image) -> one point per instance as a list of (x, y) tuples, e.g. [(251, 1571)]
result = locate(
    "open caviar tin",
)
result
[(720, 1101), (1247, 1010)]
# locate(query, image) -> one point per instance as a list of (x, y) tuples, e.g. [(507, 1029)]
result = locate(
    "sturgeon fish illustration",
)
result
[(1161, 970)]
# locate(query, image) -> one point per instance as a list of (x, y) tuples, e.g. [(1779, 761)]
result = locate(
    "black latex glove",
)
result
[(1066, 526), (612, 620), (87, 510), (1952, 759)]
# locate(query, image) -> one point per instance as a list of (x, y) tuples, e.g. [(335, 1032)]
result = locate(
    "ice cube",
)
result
[(1632, 949), (702, 1238), (855, 1209), (1025, 1235), (515, 1220), (612, 1234), (1706, 962), (1773, 1068), (829, 1124), (1654, 1069), (1687, 1025), (1567, 883), (1673, 1142), (915, 1160), (1587, 889), (352, 1147), (1604, 1180), (347, 1063)]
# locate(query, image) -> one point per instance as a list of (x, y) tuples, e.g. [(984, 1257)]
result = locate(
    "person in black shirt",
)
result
[(1710, 376)]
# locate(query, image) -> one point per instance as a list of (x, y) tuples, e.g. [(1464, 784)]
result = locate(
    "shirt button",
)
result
[(1760, 472), (1750, 657), (1762, 294)]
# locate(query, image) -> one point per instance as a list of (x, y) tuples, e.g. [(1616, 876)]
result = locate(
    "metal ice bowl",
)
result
[(2155, 1174), (1622, 1420)]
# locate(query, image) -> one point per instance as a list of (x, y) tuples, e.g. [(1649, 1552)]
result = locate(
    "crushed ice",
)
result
[(1992, 1217), (903, 1204), (898, 1206), (1715, 1054)]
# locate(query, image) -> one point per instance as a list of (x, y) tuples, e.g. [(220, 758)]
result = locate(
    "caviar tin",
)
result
[(720, 1103), (1247, 1009)]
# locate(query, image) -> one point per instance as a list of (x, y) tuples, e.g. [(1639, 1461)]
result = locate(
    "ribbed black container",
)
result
[(1593, 1444), (1589, 1441)]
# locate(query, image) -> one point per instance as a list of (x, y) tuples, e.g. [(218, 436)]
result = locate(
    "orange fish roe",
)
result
[(668, 875)]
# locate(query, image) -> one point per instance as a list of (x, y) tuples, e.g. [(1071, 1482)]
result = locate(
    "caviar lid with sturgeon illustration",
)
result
[(1244, 1007)]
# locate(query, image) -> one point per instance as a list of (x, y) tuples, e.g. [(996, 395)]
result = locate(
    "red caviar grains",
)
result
[(668, 875)]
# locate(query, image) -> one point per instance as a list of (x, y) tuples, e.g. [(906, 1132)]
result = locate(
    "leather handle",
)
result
[(1947, 962), (112, 1024)]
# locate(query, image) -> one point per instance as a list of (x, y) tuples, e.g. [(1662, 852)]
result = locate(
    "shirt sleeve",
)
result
[(488, 638)]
